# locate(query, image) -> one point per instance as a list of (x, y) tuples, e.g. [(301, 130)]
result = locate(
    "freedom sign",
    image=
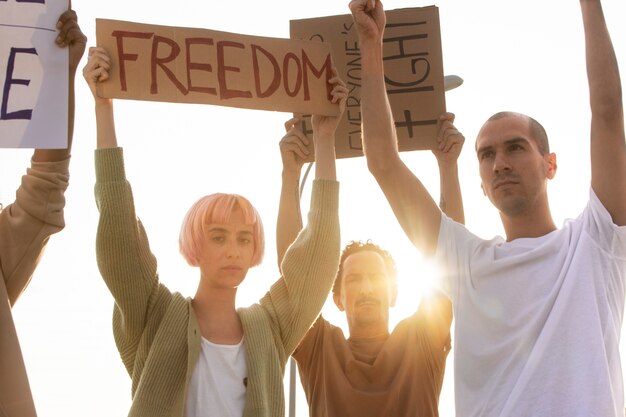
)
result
[(190, 65)]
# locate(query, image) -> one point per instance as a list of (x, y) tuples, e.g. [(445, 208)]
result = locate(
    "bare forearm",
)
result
[(105, 123), (414, 208), (379, 136), (451, 201), (605, 89), (608, 149)]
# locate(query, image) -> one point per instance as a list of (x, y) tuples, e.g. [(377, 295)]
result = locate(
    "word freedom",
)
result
[(288, 74)]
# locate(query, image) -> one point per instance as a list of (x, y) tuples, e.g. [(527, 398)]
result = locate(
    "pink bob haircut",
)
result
[(217, 208)]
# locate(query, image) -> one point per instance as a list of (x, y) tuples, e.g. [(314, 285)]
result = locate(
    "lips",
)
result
[(500, 182), (367, 301), (231, 268)]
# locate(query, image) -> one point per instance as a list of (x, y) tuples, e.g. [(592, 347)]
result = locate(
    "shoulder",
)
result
[(456, 233), (596, 223), (432, 320), (322, 328)]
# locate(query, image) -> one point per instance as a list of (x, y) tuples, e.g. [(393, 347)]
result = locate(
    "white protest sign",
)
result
[(33, 75)]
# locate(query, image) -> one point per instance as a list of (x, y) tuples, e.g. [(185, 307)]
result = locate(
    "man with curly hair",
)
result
[(374, 372)]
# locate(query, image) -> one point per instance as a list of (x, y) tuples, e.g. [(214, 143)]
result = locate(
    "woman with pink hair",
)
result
[(202, 356)]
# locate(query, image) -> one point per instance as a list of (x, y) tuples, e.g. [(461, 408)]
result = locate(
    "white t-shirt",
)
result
[(538, 320), (217, 387)]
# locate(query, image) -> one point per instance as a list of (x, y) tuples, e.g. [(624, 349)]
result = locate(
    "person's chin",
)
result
[(369, 314), (233, 278)]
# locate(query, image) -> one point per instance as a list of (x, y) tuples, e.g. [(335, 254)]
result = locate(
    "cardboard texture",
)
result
[(188, 65), (413, 72), (33, 76)]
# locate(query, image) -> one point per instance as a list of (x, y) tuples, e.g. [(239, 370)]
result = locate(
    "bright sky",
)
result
[(524, 56)]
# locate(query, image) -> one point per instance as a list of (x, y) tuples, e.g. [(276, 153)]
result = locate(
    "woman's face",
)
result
[(227, 252)]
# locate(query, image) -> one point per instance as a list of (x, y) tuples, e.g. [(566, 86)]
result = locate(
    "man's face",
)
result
[(513, 171), (366, 290)]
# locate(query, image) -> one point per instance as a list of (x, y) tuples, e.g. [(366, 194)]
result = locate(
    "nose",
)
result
[(232, 251), (367, 286), (501, 163)]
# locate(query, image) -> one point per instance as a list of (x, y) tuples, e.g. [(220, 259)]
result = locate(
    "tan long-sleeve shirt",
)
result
[(25, 227), (398, 375)]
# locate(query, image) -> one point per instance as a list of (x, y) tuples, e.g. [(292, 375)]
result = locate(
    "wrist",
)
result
[(324, 138), (290, 176), (102, 103), (448, 166)]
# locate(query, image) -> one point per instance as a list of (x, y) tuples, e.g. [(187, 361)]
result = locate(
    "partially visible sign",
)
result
[(33, 75), (413, 74), (187, 65)]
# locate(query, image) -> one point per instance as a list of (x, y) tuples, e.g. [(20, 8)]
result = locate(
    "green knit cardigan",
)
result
[(156, 331)]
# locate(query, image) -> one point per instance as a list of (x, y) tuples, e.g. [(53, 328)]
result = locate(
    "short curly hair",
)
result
[(356, 246)]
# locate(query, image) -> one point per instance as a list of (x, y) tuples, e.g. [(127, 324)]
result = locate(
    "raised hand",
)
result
[(370, 19), (294, 150), (325, 126), (449, 141), (97, 69), (71, 35)]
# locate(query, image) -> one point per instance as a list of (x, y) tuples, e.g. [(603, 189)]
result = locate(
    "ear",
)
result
[(550, 165), (195, 262), (482, 187), (338, 303), (393, 296)]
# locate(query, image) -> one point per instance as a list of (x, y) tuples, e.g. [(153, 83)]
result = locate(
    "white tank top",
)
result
[(218, 384)]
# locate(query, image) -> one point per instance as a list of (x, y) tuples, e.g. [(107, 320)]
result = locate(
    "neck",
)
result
[(368, 331), (534, 224), (217, 317)]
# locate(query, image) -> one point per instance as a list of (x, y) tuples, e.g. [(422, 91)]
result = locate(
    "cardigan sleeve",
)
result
[(309, 268), (125, 261), (26, 224)]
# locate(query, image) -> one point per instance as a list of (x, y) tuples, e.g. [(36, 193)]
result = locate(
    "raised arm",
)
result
[(294, 153), (608, 150), (413, 206), (123, 254), (310, 263), (37, 213), (450, 142), (70, 36), (96, 71), (324, 128)]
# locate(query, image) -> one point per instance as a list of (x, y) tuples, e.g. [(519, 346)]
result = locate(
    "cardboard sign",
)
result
[(186, 65), (33, 75), (413, 74)]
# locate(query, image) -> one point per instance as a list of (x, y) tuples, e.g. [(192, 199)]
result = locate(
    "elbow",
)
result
[(381, 153), (383, 165), (374, 163), (608, 107)]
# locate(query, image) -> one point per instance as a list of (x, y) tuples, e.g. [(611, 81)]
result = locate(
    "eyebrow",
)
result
[(218, 229), (514, 140)]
